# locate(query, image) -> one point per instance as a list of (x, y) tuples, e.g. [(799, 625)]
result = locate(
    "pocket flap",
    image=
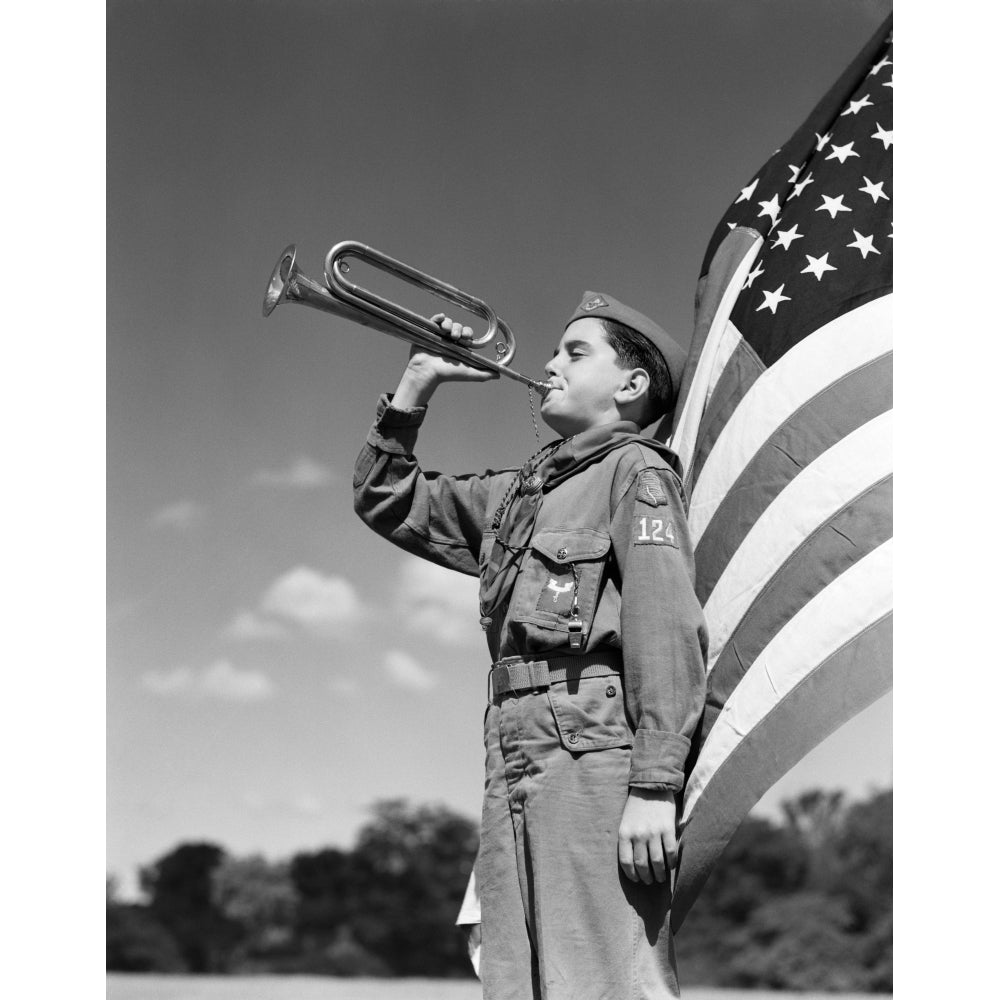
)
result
[(590, 713), (565, 545)]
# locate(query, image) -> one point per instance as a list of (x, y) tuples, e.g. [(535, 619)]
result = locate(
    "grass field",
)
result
[(133, 987)]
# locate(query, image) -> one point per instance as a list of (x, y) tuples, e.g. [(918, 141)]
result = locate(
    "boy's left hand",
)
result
[(647, 836)]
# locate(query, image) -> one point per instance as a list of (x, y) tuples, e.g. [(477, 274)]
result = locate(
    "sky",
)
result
[(274, 668)]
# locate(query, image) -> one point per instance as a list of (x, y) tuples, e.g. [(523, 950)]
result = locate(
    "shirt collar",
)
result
[(588, 446)]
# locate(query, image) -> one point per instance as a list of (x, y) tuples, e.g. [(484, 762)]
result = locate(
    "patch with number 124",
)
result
[(653, 531)]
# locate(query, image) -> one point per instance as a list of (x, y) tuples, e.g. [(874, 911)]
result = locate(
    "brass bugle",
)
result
[(343, 298)]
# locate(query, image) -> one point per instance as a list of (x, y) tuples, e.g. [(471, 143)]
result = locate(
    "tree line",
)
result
[(802, 902)]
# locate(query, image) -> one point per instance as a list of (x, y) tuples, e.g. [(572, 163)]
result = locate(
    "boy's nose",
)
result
[(550, 368)]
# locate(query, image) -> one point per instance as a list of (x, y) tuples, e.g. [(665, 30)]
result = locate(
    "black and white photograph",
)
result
[(499, 499)]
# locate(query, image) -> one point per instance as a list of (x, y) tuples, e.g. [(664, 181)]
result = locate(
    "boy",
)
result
[(598, 645)]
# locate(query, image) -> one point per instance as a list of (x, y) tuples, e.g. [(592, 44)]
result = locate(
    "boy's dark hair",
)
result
[(636, 351)]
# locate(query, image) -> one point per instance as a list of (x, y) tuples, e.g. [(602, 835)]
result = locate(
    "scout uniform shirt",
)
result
[(607, 555)]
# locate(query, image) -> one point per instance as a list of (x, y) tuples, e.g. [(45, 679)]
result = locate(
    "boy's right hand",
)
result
[(425, 371), (434, 367)]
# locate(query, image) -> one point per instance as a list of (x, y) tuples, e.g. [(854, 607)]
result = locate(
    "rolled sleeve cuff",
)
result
[(658, 760), (395, 431)]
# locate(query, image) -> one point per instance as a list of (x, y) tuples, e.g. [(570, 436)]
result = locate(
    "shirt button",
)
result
[(610, 691), (573, 737), (562, 553)]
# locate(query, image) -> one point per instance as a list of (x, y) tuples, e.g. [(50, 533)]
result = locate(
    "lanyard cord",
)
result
[(524, 473), (526, 468), (531, 408)]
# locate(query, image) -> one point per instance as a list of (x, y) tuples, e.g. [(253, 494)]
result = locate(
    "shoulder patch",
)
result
[(649, 530), (651, 490)]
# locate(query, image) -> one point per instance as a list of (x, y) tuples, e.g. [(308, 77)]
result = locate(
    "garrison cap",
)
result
[(603, 306)]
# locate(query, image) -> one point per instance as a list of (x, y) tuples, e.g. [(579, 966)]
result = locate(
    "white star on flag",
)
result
[(821, 140), (817, 266), (841, 153), (880, 66), (769, 208), (887, 83), (882, 135), (746, 192), (801, 186), (773, 299), (875, 190), (864, 244), (795, 171), (833, 205), (856, 106), (753, 275), (787, 236)]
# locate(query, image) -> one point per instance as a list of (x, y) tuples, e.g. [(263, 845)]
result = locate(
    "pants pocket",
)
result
[(590, 713)]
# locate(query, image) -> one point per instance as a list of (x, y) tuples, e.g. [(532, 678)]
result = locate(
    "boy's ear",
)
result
[(634, 386)]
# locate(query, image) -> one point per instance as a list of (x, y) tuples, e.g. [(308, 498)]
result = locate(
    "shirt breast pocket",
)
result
[(562, 573)]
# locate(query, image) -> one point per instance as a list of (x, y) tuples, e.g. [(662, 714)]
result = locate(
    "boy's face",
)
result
[(585, 375)]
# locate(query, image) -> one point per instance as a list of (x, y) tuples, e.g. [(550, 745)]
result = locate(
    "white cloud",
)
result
[(302, 599), (220, 680), (439, 602), (223, 680), (424, 600), (303, 473), (180, 516), (323, 605), (407, 672), (250, 625)]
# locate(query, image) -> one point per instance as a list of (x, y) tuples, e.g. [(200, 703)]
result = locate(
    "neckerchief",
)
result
[(548, 469)]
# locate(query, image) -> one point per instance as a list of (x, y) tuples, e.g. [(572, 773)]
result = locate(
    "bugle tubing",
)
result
[(342, 298)]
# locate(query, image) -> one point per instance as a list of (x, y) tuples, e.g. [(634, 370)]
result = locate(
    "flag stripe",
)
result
[(838, 348), (713, 342), (741, 372), (850, 534), (840, 474), (730, 342), (801, 721), (857, 598), (830, 415)]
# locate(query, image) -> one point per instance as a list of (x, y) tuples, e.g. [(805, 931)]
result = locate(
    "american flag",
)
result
[(784, 433)]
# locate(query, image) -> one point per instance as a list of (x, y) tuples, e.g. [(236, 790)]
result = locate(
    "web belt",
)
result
[(514, 673)]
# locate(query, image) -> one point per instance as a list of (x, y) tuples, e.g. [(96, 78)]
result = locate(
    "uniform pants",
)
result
[(560, 921)]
